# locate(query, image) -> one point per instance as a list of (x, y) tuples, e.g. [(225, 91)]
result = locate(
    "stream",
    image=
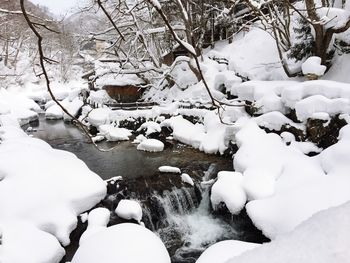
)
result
[(179, 213)]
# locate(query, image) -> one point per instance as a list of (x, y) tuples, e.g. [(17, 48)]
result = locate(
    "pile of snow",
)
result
[(21, 108), (324, 238), (169, 169), (225, 250), (187, 179), (151, 145), (209, 137), (312, 66), (139, 138), (55, 194), (55, 112), (114, 133), (276, 176), (98, 219), (150, 127), (127, 242), (129, 209), (228, 189), (99, 97), (100, 116)]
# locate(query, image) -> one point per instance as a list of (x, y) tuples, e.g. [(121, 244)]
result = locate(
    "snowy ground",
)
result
[(299, 201)]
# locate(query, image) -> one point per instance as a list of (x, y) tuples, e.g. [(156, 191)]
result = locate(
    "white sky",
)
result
[(59, 7)]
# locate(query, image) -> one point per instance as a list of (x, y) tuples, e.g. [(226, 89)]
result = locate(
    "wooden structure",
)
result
[(124, 93)]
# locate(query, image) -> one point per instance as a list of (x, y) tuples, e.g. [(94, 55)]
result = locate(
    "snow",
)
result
[(151, 145), (228, 189), (169, 169), (150, 127), (127, 243), (99, 116), (114, 133), (98, 219), (21, 108), (222, 251), (323, 238), (23, 242), (313, 66), (187, 179), (283, 177), (129, 209), (57, 187)]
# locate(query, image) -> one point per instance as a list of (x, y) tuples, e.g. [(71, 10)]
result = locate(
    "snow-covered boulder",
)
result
[(187, 179), (324, 238), (169, 169), (123, 243), (114, 133), (151, 145), (98, 219), (228, 190), (129, 209), (225, 250), (150, 127), (99, 116), (312, 67)]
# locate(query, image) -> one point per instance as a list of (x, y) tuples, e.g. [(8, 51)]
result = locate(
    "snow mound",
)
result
[(187, 179), (98, 219), (169, 169), (150, 127), (224, 250), (123, 243), (99, 116), (151, 145), (23, 242), (323, 238), (313, 66), (114, 133), (55, 194), (129, 209), (228, 189)]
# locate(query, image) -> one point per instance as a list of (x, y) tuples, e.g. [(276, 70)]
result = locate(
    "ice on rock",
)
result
[(123, 243), (228, 190), (169, 169), (129, 209), (151, 145), (225, 250)]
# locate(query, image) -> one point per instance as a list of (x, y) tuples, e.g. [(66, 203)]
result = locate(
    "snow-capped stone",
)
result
[(129, 209), (169, 169), (126, 242), (151, 145)]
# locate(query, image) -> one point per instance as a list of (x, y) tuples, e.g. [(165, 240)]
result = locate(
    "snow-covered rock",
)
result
[(228, 189), (169, 169), (129, 209), (98, 219), (150, 127), (187, 179), (323, 238), (151, 145), (313, 66), (222, 251), (114, 133), (126, 242), (55, 193), (99, 116)]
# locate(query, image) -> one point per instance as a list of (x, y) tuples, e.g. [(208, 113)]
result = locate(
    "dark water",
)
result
[(124, 160)]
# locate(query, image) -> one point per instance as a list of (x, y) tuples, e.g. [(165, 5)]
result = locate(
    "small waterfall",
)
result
[(182, 219)]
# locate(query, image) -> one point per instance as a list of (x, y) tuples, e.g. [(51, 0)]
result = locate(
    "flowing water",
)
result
[(181, 215)]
